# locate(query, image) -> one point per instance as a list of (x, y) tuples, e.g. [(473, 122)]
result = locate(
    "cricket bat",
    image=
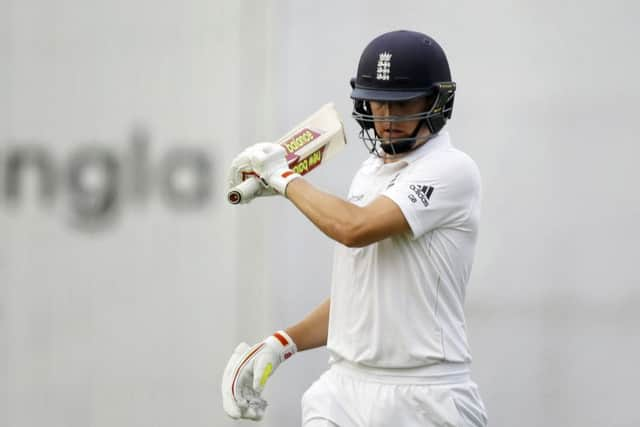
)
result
[(317, 139)]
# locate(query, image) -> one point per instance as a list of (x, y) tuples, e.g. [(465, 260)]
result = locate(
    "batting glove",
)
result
[(269, 161), (247, 373), (241, 170)]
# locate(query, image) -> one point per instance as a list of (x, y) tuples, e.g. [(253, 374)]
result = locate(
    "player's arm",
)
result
[(345, 222), (312, 331), (349, 224), (250, 367)]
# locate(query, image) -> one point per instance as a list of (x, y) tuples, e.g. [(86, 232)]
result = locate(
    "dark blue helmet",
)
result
[(400, 66)]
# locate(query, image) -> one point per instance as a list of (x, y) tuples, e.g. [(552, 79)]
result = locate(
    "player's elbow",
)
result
[(349, 241), (370, 224), (353, 234), (356, 243)]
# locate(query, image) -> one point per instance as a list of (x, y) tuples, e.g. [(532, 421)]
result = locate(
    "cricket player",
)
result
[(405, 238)]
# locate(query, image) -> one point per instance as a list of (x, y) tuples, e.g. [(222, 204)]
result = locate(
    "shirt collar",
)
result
[(438, 142)]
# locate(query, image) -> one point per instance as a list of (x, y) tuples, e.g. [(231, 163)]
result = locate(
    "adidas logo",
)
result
[(422, 192)]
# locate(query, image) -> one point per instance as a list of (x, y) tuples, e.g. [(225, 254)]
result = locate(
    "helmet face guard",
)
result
[(434, 119), (401, 66)]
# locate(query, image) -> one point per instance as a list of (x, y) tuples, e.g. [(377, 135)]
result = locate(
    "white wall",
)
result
[(130, 322), (127, 321)]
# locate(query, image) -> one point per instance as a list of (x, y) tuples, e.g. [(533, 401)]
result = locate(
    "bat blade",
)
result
[(313, 141)]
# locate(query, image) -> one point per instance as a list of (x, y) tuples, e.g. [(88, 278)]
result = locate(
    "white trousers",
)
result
[(345, 396)]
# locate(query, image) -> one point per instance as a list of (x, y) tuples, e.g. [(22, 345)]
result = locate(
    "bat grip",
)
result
[(246, 190)]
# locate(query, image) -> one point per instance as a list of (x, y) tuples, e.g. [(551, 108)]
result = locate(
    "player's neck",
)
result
[(390, 158)]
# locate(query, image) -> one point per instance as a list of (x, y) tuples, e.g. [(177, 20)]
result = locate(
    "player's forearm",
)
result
[(340, 220), (312, 331)]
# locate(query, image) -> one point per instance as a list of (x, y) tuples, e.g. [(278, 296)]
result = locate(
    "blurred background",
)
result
[(126, 280)]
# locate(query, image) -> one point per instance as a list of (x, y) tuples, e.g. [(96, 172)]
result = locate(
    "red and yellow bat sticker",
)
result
[(309, 163), (299, 140)]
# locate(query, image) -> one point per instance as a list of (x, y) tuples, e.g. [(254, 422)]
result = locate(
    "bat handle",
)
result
[(244, 191)]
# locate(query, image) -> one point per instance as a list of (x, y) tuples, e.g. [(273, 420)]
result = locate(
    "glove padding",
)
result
[(240, 170), (270, 163), (247, 373)]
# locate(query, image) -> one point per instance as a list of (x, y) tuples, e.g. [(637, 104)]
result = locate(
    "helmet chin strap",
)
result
[(403, 146)]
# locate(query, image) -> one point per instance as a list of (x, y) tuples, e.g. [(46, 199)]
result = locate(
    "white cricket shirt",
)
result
[(398, 303)]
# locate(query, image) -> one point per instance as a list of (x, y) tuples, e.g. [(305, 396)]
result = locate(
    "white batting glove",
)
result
[(240, 170), (269, 161), (247, 373), (238, 398)]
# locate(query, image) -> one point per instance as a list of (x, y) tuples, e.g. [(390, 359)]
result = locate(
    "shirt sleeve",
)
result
[(436, 194)]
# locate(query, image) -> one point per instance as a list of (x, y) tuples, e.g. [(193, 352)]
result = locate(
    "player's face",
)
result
[(398, 129)]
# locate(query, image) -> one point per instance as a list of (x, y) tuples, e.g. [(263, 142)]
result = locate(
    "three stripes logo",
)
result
[(422, 192)]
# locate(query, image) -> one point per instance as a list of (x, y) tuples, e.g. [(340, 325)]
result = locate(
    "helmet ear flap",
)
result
[(361, 107), (448, 106), (443, 106)]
